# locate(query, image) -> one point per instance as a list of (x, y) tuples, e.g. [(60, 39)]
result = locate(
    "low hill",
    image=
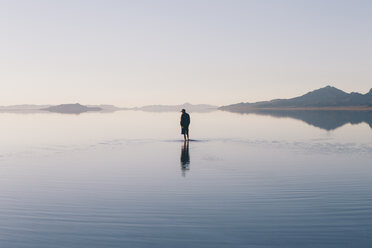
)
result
[(23, 107), (71, 108)]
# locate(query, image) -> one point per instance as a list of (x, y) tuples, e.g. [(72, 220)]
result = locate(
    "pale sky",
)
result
[(132, 53)]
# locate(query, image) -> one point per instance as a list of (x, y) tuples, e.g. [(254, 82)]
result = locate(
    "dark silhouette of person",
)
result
[(185, 122), (185, 158)]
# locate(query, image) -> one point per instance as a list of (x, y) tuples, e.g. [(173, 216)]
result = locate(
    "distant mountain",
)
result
[(173, 108), (321, 98), (22, 108), (71, 108)]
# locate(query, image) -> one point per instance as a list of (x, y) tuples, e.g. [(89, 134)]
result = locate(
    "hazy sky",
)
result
[(138, 52)]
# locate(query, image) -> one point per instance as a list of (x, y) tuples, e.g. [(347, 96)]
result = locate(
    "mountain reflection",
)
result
[(185, 158), (324, 119)]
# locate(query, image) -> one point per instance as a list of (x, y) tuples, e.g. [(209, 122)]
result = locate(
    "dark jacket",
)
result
[(185, 120)]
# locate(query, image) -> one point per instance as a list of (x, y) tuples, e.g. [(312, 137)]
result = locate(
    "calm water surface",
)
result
[(126, 179)]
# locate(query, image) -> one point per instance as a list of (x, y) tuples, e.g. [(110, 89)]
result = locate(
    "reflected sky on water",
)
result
[(128, 179)]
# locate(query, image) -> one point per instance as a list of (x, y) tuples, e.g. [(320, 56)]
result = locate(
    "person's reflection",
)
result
[(185, 158)]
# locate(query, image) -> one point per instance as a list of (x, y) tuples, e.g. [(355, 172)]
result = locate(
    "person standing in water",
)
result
[(185, 122)]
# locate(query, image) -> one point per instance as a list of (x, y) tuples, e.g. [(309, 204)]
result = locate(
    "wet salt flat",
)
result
[(126, 179)]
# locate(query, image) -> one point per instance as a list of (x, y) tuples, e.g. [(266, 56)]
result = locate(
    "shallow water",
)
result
[(126, 179)]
